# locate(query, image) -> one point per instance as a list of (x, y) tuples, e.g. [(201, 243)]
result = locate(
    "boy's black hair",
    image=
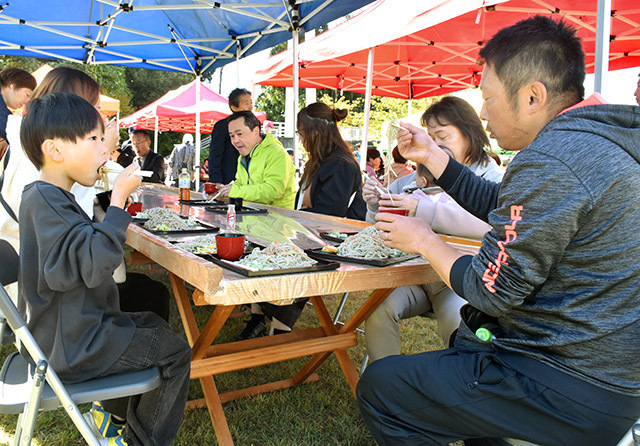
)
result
[(539, 49), (250, 119), (64, 116), (425, 173)]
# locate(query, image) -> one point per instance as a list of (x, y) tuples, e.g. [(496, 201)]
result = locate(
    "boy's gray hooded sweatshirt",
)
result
[(561, 267)]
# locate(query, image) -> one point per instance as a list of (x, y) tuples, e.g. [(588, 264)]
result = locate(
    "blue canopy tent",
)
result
[(190, 36)]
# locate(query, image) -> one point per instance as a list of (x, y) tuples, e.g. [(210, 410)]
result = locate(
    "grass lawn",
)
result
[(316, 414)]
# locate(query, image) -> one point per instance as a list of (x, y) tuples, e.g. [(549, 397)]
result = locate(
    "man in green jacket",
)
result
[(265, 172)]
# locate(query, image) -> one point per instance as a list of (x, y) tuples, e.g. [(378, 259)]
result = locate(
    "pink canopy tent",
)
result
[(176, 111), (430, 48)]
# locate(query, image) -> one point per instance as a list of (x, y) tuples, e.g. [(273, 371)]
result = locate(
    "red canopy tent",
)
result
[(434, 51), (176, 111), (426, 49)]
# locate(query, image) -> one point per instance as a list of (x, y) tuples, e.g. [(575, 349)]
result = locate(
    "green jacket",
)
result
[(266, 176)]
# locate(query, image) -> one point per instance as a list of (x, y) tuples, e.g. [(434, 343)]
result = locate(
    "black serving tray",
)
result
[(202, 228), (248, 248), (322, 265), (200, 202), (318, 254), (222, 209), (331, 238)]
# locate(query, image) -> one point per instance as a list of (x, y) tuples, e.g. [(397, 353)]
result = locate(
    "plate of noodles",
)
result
[(165, 221), (277, 258), (365, 247), (205, 245), (336, 236)]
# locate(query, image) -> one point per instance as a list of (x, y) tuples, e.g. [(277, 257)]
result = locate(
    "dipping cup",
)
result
[(230, 246)]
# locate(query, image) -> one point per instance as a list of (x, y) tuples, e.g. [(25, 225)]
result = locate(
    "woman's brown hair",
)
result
[(459, 113), (318, 128), (70, 80)]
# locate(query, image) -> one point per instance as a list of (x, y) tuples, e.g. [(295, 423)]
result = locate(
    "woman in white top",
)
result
[(453, 123)]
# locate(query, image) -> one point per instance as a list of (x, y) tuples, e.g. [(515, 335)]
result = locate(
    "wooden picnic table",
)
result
[(224, 289)]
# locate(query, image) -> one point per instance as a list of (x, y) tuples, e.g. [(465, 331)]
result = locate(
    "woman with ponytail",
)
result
[(331, 183)]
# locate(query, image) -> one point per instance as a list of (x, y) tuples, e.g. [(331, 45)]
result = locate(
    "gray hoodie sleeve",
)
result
[(527, 241)]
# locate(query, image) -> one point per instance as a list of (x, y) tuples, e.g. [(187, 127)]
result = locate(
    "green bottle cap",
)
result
[(484, 334)]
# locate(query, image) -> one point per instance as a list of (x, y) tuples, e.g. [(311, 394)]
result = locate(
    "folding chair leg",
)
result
[(72, 409), (340, 307), (365, 362), (27, 419), (58, 388)]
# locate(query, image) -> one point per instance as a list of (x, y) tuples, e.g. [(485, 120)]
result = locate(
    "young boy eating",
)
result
[(67, 293)]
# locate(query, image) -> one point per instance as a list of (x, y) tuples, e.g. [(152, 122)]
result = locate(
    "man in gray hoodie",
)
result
[(554, 287)]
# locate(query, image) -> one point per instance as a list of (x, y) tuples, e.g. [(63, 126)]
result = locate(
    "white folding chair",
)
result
[(28, 384)]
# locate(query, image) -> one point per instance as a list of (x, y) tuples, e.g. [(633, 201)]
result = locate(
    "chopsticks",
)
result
[(139, 173), (381, 191)]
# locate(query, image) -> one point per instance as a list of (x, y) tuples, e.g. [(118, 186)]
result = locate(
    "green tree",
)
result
[(110, 77)]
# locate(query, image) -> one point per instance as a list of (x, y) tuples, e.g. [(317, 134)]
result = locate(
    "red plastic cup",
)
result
[(210, 188), (134, 208), (398, 211), (230, 246)]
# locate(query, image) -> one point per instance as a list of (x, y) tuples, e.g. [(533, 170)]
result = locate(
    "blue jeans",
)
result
[(153, 418)]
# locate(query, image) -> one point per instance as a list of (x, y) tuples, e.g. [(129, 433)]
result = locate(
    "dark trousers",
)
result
[(287, 314), (141, 293), (440, 397), (153, 418)]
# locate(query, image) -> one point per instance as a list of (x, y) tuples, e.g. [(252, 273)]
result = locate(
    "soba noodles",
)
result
[(277, 256), (205, 244), (165, 219), (367, 244)]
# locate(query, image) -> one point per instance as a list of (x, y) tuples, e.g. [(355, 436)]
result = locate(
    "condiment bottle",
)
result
[(231, 217), (184, 183)]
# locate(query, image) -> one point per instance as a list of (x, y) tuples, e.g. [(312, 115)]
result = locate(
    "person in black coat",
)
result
[(148, 159), (332, 182), (223, 156)]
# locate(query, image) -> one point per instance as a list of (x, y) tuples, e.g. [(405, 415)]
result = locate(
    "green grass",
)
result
[(317, 414)]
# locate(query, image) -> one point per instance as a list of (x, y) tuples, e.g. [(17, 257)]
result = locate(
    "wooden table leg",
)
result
[(344, 360), (350, 326), (220, 426), (211, 396), (184, 307)]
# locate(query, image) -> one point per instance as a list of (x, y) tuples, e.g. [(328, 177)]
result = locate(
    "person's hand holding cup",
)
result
[(210, 190), (397, 211)]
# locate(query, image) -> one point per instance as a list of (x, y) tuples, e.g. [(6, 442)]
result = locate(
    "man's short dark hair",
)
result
[(539, 49), (235, 95), (250, 119), (141, 132), (60, 115)]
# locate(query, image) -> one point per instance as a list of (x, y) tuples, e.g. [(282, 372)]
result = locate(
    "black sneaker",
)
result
[(256, 327)]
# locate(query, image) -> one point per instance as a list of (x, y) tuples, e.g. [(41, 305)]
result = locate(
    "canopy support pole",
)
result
[(296, 86), (367, 112), (603, 31), (196, 168), (155, 134)]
